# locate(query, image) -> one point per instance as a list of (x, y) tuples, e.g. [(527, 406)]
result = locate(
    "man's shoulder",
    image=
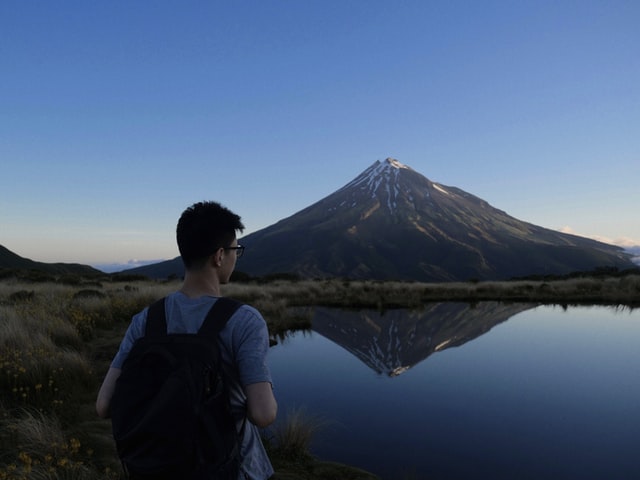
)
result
[(246, 309), (247, 315)]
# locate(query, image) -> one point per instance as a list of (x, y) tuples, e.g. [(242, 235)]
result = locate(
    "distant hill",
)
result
[(392, 223), (160, 270), (12, 261)]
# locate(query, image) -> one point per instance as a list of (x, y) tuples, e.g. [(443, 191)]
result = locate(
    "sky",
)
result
[(116, 116)]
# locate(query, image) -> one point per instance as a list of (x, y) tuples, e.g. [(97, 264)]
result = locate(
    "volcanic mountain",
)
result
[(392, 223)]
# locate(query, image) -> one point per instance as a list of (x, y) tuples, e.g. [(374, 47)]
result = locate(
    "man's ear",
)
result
[(216, 257)]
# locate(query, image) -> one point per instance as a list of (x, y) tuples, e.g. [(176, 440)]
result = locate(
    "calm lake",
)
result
[(499, 391)]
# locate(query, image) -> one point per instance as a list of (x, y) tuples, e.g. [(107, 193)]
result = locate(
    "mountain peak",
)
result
[(392, 162), (379, 183)]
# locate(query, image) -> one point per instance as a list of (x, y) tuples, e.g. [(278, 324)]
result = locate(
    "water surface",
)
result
[(454, 392)]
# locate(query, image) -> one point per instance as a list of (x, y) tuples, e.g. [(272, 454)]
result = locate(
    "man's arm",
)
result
[(262, 407), (106, 392)]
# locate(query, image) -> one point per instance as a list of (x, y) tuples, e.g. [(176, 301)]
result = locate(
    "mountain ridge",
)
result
[(12, 261)]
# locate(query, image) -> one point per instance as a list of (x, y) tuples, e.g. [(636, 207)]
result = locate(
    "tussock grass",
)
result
[(624, 290), (292, 437), (48, 381), (34, 371), (288, 447), (43, 450)]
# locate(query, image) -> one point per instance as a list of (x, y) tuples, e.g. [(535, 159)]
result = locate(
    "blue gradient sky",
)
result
[(115, 116)]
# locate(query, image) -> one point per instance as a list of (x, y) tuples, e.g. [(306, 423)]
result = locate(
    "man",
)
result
[(206, 236)]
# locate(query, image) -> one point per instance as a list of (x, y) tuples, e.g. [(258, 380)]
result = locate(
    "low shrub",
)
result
[(21, 296)]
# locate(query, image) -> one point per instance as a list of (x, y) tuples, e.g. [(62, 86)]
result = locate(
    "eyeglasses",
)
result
[(239, 250)]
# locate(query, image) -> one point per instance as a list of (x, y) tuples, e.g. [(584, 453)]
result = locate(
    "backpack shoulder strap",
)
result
[(218, 316), (156, 320)]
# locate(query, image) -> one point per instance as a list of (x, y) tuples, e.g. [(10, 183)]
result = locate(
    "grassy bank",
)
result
[(276, 296), (56, 341)]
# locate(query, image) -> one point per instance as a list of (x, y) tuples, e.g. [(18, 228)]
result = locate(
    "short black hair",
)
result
[(203, 228)]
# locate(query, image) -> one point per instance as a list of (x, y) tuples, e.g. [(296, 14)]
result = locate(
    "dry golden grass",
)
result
[(624, 290), (48, 380), (46, 451)]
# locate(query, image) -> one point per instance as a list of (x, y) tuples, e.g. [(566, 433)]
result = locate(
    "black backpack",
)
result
[(170, 410)]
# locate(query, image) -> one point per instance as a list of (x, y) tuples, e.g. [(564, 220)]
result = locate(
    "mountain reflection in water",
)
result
[(393, 341), (550, 392)]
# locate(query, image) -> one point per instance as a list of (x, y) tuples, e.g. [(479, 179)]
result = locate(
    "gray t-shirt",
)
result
[(245, 343)]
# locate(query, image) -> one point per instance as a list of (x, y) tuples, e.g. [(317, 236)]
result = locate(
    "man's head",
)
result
[(203, 229)]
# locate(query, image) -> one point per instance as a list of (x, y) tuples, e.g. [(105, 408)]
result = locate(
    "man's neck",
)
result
[(199, 284)]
